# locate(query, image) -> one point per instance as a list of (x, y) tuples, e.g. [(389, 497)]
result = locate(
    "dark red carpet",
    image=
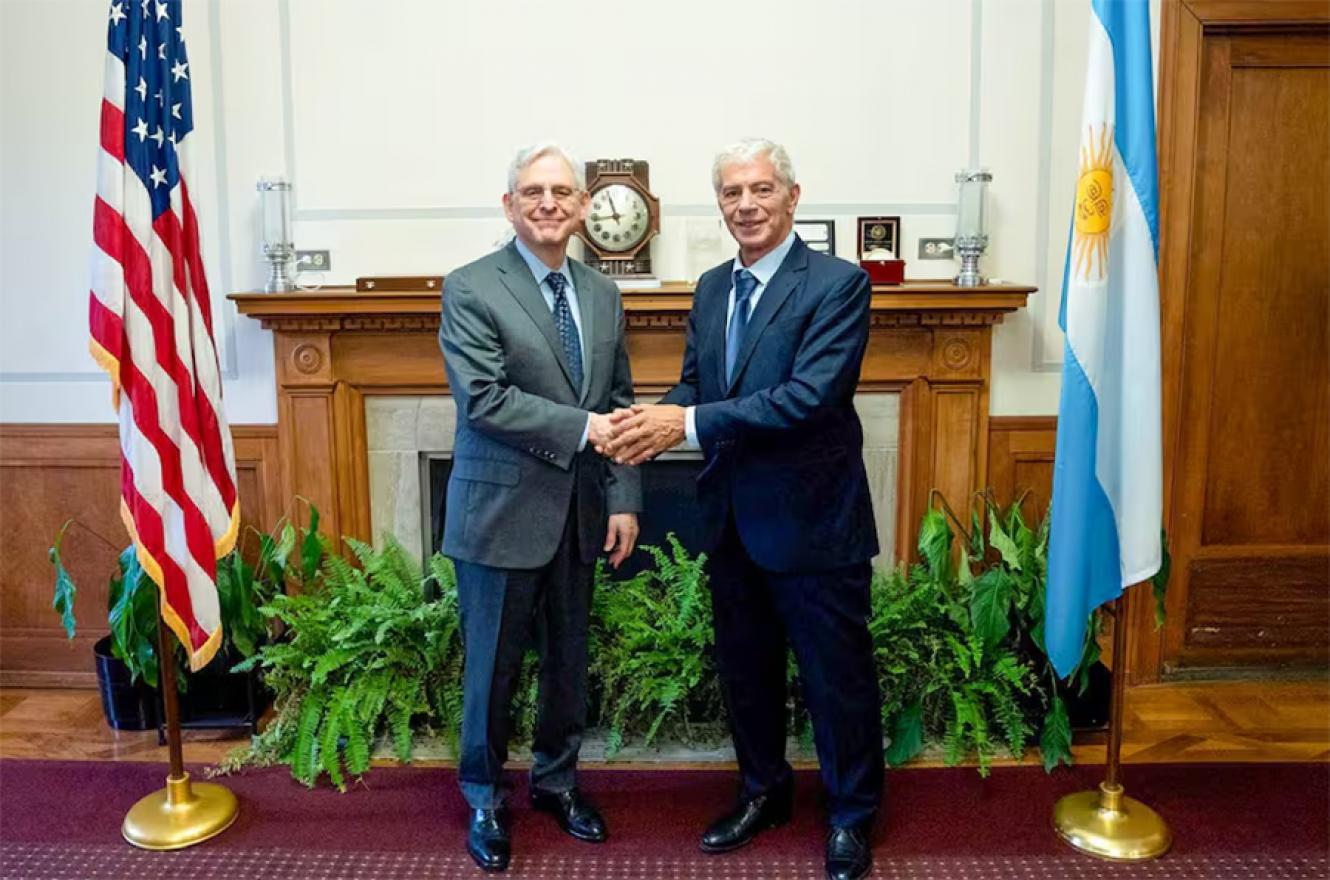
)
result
[(62, 819)]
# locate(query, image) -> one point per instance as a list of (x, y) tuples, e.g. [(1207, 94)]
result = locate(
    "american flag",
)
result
[(151, 325)]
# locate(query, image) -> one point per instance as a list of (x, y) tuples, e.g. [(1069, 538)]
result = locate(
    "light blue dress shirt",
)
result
[(763, 270), (540, 272)]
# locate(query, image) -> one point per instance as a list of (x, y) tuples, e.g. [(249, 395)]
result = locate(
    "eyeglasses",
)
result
[(763, 192), (532, 195)]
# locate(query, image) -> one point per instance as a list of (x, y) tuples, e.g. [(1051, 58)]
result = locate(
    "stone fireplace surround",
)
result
[(404, 432)]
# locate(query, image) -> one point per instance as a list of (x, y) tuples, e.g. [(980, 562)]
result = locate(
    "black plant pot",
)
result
[(215, 698), (1090, 710), (127, 704)]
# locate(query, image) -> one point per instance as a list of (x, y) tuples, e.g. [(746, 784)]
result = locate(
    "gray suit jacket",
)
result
[(519, 418)]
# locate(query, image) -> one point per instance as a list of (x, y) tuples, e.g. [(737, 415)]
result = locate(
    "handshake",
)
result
[(637, 433)]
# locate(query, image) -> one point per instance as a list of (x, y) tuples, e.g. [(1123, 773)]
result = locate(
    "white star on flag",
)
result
[(142, 89), (162, 13), (141, 130), (143, 47), (178, 71), (158, 136), (158, 176), (175, 111), (117, 13)]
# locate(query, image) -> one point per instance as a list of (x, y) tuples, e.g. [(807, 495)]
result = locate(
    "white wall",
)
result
[(396, 120)]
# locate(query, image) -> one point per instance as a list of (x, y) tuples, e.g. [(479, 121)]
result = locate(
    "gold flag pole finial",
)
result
[(183, 813), (1106, 823)]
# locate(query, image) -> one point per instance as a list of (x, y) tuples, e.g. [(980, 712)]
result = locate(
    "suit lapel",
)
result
[(516, 276), (787, 277)]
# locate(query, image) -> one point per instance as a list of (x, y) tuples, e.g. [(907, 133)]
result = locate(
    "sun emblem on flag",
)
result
[(1094, 204)]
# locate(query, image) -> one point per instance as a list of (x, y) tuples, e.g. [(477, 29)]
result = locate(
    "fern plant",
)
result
[(1006, 608), (366, 654), (941, 680), (651, 650)]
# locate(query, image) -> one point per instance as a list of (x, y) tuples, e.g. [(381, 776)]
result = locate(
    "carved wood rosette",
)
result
[(931, 342)]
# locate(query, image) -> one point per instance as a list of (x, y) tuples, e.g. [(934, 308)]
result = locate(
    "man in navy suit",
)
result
[(775, 342)]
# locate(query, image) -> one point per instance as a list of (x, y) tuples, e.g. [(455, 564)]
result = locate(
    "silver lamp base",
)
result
[(969, 250), (279, 274)]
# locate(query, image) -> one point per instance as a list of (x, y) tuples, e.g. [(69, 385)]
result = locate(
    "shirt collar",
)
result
[(538, 268), (764, 269)]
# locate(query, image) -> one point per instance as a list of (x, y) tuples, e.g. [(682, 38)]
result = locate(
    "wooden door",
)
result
[(1245, 134)]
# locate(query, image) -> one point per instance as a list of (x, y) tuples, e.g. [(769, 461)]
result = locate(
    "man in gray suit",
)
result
[(534, 348)]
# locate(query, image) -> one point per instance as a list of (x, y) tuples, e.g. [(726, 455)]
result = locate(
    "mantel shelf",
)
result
[(345, 308)]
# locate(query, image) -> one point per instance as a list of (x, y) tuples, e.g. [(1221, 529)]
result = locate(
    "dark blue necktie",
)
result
[(745, 283), (563, 322)]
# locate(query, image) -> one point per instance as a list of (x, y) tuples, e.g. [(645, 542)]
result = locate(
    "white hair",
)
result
[(527, 155), (750, 149)]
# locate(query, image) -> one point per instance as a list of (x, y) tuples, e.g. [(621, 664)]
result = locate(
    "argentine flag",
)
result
[(1108, 470)]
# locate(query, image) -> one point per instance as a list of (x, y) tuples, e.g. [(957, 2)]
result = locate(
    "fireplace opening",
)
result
[(669, 504)]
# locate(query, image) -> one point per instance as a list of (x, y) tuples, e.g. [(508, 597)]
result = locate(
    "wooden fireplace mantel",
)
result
[(931, 341)]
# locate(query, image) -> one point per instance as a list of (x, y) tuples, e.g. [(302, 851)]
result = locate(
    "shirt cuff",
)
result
[(690, 429), (586, 432)]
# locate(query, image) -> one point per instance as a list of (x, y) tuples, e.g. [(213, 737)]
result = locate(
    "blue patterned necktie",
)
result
[(745, 283), (563, 322)]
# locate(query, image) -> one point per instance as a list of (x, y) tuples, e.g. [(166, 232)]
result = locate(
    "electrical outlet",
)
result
[(937, 248), (313, 261)]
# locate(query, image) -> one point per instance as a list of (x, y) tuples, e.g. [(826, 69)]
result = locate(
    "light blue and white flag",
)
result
[(1108, 473)]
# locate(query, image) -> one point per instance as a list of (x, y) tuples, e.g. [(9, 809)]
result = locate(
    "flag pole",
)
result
[(182, 814), (1106, 823)]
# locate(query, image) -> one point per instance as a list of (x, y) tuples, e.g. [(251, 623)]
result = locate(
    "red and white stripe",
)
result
[(151, 325)]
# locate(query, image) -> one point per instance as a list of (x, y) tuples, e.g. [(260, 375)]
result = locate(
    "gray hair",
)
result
[(750, 149), (527, 155)]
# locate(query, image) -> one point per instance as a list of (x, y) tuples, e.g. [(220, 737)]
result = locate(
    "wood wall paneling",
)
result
[(1020, 462), (53, 473)]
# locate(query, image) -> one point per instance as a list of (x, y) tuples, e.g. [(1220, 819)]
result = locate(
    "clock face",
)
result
[(619, 218)]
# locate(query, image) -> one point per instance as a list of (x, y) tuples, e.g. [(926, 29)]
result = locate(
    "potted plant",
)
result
[(127, 662)]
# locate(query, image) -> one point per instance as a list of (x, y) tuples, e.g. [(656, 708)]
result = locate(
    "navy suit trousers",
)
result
[(824, 617)]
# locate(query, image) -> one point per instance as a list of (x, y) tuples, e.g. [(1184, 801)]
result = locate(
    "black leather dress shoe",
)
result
[(575, 814), (487, 839), (739, 826), (849, 856)]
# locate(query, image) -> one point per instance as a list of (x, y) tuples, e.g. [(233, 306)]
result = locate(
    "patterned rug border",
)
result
[(27, 861)]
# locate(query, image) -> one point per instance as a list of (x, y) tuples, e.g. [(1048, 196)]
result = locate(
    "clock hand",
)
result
[(614, 212)]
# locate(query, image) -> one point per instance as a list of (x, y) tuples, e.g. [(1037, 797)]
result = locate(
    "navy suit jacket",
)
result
[(782, 442)]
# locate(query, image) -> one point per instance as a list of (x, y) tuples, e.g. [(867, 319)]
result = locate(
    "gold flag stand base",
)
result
[(1110, 825), (1106, 823), (180, 815)]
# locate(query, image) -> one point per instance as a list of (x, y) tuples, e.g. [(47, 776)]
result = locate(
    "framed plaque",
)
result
[(819, 235), (878, 234)]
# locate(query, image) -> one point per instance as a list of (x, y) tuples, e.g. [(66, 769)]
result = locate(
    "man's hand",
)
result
[(620, 537), (643, 432), (600, 431)]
